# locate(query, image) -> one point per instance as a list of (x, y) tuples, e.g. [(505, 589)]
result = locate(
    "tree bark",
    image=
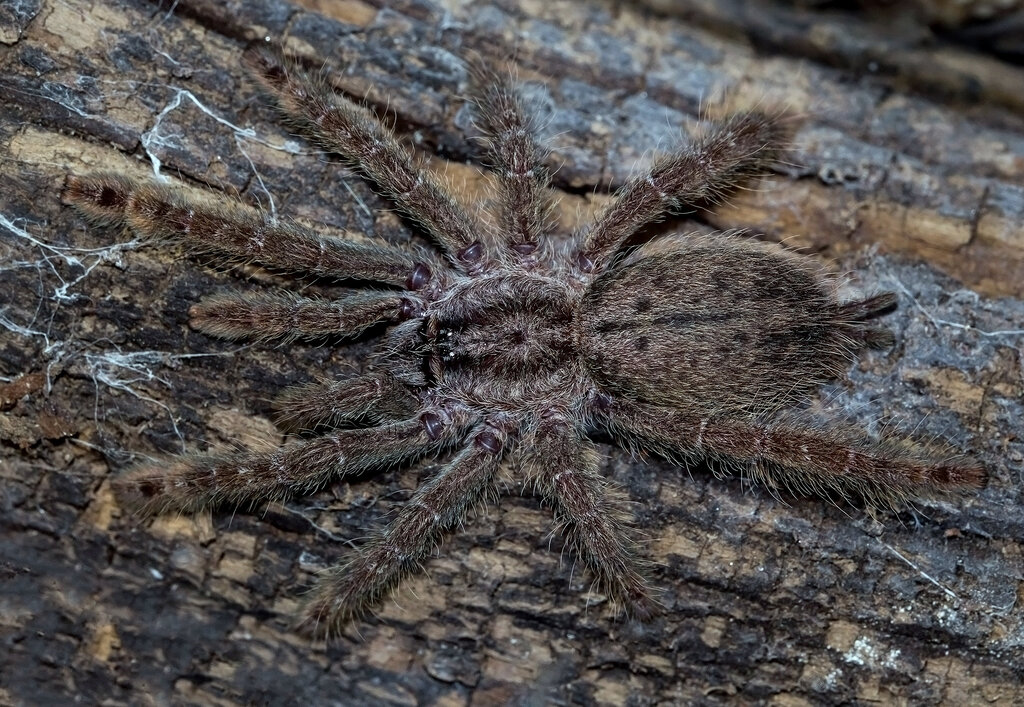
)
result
[(907, 183)]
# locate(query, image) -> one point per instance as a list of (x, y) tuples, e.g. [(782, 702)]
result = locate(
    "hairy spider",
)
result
[(506, 348)]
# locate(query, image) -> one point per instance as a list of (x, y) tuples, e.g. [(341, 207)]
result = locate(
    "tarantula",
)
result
[(508, 348)]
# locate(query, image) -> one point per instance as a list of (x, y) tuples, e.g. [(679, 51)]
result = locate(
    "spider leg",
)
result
[(517, 160), (238, 234), (564, 466), (191, 483), (438, 505), (740, 146), (263, 316), (352, 131), (793, 455), (374, 397)]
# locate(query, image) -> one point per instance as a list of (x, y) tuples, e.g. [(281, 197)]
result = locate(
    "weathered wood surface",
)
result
[(790, 601)]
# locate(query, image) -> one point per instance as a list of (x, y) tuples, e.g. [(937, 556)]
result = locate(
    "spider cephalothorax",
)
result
[(506, 348)]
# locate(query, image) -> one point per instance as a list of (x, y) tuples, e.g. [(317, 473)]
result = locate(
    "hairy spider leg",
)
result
[(739, 147), (788, 454), (392, 553), (238, 234), (352, 131), (285, 315), (525, 206), (332, 402), (191, 483), (564, 467)]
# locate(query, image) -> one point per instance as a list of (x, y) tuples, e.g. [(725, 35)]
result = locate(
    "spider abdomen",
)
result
[(733, 323)]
